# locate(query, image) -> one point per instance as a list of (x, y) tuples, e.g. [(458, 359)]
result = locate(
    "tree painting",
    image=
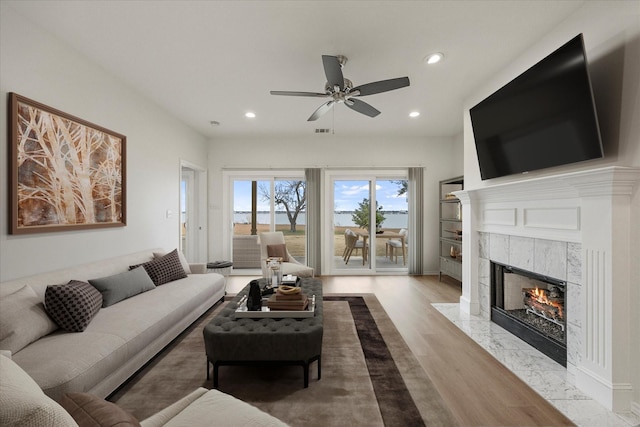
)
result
[(68, 173)]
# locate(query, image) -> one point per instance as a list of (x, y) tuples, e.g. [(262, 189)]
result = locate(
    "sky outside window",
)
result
[(347, 196)]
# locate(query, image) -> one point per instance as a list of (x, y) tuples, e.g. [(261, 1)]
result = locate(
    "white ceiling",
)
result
[(215, 60)]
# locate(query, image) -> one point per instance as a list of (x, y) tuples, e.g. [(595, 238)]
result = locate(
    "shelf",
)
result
[(451, 234), (450, 225), (448, 240)]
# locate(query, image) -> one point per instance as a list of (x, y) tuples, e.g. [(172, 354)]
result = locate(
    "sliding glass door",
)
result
[(351, 224), (266, 201), (368, 223), (362, 225)]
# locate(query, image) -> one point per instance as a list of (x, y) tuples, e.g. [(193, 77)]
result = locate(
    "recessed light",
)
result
[(434, 58), (250, 115), (414, 114)]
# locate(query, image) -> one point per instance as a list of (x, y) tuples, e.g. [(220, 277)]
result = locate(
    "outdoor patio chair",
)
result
[(353, 243), (394, 245)]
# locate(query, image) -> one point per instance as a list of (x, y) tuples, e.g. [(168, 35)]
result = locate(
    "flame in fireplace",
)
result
[(540, 295)]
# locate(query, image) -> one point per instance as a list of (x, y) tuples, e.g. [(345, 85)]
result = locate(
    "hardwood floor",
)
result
[(478, 389)]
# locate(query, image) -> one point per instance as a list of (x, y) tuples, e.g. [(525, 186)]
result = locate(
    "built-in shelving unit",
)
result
[(451, 228)]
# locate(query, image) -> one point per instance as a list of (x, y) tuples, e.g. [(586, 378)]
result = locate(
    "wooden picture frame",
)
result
[(65, 173)]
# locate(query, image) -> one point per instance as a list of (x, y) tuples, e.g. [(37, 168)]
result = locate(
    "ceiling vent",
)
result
[(323, 130)]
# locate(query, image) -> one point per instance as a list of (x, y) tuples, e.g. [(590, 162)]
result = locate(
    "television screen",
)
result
[(545, 117)]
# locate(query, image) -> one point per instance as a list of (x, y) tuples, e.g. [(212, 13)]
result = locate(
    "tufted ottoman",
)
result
[(245, 341)]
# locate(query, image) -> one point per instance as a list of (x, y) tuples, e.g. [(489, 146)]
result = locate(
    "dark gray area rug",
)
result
[(369, 375)]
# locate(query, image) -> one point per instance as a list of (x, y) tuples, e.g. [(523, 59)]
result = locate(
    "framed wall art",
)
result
[(65, 173)]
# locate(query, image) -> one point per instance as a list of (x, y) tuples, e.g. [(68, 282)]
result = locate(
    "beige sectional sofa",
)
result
[(22, 403), (121, 338)]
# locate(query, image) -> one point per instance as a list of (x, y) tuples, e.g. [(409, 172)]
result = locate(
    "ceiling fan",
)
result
[(341, 90)]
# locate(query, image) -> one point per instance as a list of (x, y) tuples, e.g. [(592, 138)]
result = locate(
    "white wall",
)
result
[(612, 39), (441, 158), (36, 65)]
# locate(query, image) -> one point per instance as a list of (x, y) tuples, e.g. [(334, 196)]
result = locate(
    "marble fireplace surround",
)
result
[(574, 227)]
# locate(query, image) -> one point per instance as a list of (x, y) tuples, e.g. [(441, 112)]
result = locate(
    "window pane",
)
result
[(351, 211), (290, 201), (247, 224), (280, 205), (393, 216)]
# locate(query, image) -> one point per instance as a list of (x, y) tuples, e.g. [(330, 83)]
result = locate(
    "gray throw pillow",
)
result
[(122, 286), (72, 306)]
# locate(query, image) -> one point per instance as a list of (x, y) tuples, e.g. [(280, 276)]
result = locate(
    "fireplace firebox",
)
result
[(532, 307)]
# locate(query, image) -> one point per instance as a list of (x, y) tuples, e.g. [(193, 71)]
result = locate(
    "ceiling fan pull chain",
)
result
[(333, 119)]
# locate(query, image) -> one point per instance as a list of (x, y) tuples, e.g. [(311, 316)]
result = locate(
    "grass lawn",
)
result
[(296, 240)]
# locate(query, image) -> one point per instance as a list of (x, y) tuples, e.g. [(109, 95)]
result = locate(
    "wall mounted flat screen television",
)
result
[(545, 117)]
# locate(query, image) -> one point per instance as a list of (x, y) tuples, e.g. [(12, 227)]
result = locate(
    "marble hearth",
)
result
[(574, 227)]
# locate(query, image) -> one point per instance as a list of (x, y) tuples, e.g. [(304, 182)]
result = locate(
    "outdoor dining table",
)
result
[(386, 234)]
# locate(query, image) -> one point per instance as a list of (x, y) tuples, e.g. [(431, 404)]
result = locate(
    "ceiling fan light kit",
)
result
[(341, 90)]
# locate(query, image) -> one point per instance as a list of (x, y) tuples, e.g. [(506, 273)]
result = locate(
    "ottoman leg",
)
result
[(215, 375), (207, 369), (305, 366), (319, 369)]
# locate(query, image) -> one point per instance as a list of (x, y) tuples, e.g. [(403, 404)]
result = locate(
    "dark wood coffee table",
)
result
[(265, 341)]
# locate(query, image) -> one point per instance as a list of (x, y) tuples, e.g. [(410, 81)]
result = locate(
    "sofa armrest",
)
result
[(198, 268), (163, 417), (212, 404)]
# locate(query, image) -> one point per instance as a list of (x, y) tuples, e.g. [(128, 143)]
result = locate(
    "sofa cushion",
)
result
[(23, 320), (229, 412), (89, 410), (278, 251), (123, 285), (120, 338), (183, 260), (72, 306), (22, 402), (165, 269)]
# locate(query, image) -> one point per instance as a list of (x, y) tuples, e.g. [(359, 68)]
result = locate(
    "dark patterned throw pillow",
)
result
[(72, 306), (165, 269)]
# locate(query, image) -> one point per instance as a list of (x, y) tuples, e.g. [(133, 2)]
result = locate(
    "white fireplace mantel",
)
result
[(591, 208)]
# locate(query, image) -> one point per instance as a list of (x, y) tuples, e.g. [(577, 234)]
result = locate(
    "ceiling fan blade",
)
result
[(321, 110), (287, 93), (381, 86), (333, 71), (361, 107)]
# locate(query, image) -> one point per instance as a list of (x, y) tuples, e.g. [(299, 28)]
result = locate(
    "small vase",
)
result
[(453, 252)]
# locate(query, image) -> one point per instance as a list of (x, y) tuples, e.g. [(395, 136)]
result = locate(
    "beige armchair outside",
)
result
[(292, 266)]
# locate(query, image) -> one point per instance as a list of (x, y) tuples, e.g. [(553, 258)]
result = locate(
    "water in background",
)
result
[(341, 219)]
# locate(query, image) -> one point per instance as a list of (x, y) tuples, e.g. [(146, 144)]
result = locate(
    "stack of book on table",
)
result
[(288, 298)]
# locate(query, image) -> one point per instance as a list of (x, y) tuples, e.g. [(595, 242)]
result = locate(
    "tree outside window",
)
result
[(361, 214), (290, 195)]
